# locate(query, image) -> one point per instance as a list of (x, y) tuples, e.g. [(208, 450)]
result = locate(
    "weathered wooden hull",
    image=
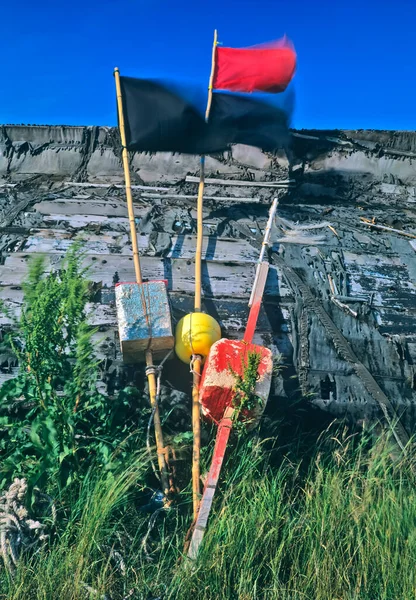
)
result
[(58, 185)]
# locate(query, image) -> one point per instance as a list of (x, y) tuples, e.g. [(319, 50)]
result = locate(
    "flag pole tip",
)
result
[(116, 70)]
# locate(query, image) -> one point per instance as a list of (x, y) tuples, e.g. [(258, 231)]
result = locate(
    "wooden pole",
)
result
[(196, 361), (199, 236), (150, 370), (160, 446), (125, 156), (200, 225), (196, 429)]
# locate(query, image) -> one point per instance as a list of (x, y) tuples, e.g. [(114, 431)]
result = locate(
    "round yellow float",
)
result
[(195, 333)]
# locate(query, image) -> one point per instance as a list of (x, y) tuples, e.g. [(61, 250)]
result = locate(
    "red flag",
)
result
[(266, 68)]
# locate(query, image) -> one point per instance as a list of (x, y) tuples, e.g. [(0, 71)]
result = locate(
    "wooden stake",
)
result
[(385, 228), (151, 376), (160, 446), (196, 364), (196, 428)]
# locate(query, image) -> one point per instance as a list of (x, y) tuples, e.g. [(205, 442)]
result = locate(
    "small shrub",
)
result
[(245, 399), (54, 420)]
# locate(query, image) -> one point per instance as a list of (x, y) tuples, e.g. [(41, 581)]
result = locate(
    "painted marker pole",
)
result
[(265, 243), (226, 353), (217, 389)]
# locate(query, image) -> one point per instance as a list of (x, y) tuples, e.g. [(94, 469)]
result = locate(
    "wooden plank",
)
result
[(116, 185), (39, 244), (110, 237), (385, 276), (97, 213), (99, 315), (213, 248), (360, 261), (82, 221), (270, 184), (233, 279), (182, 246), (206, 197), (77, 221), (14, 211), (104, 208)]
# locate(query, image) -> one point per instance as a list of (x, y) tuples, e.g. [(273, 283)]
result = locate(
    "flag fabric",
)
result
[(159, 119), (265, 68), (244, 120)]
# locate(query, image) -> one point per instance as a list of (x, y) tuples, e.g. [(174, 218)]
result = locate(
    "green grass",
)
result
[(338, 525), (297, 515)]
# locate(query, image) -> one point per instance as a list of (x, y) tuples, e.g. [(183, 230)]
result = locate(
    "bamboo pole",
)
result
[(196, 429), (199, 236), (200, 201), (125, 156), (196, 360), (150, 369)]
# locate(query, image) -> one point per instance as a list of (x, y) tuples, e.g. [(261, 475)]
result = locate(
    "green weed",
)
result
[(245, 399), (54, 422)]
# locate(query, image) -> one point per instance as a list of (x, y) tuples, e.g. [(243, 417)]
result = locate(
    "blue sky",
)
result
[(356, 59)]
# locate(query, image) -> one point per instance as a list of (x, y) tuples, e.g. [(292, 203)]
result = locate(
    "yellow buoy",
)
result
[(195, 334)]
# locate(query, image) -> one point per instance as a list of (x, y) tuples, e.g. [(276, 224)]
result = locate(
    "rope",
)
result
[(149, 449), (154, 370), (194, 357), (18, 532), (150, 526), (149, 317), (146, 305)]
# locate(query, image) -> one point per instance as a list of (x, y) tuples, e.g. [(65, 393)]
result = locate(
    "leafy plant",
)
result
[(245, 399), (54, 420)]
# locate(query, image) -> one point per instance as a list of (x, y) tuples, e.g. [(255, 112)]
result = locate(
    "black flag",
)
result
[(243, 120), (159, 119)]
